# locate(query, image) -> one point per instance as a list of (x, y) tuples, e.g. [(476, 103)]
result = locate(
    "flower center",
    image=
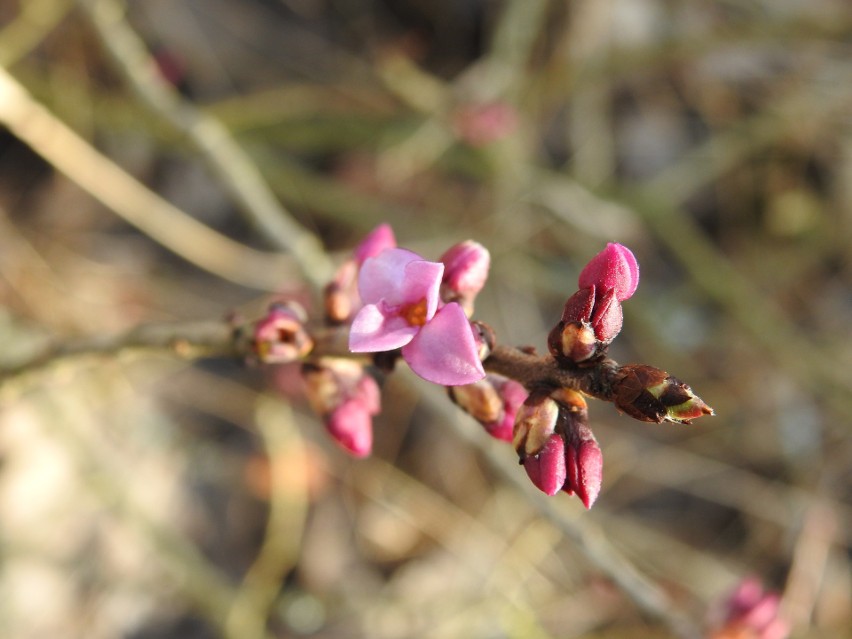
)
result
[(415, 314)]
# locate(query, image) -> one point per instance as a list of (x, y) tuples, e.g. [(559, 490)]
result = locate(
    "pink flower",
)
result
[(751, 613), (547, 468), (400, 291), (613, 268)]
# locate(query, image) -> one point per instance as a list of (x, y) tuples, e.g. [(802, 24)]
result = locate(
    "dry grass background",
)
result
[(143, 497)]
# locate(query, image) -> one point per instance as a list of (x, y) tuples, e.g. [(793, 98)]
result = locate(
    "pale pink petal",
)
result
[(372, 331), (444, 351), (376, 241), (422, 281), (383, 277), (613, 268)]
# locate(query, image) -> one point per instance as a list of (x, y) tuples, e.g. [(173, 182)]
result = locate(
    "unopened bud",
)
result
[(547, 469), (607, 317), (480, 400), (652, 395), (613, 268), (280, 336), (584, 463), (376, 241), (535, 422), (572, 341), (341, 294), (466, 267), (346, 397)]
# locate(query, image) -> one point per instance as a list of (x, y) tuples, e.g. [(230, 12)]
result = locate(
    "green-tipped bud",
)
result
[(651, 395)]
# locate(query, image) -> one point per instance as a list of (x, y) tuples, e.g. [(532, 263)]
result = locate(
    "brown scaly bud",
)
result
[(573, 342), (652, 395), (480, 400), (535, 422), (280, 336), (493, 402), (340, 296)]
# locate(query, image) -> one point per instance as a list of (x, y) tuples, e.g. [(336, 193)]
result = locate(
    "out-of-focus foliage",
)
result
[(712, 138)]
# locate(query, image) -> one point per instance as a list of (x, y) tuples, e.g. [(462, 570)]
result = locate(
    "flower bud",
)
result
[(607, 317), (547, 469), (466, 267), (584, 463), (572, 341), (613, 268), (280, 336), (375, 242), (341, 294), (480, 400), (535, 422), (652, 395), (346, 397), (513, 395)]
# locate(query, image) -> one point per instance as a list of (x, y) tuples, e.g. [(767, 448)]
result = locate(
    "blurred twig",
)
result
[(24, 33), (279, 550), (139, 206), (233, 167)]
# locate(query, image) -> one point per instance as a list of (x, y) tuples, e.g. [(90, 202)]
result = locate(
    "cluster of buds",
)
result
[(556, 446), (592, 316), (398, 304), (751, 613)]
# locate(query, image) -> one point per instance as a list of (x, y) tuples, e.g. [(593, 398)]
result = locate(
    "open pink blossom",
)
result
[(613, 268), (400, 291)]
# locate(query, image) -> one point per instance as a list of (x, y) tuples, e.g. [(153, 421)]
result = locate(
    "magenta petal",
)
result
[(444, 351), (372, 331), (615, 267)]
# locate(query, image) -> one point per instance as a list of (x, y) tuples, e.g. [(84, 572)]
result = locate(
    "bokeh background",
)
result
[(145, 497)]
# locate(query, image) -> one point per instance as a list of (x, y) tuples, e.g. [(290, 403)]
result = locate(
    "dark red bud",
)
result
[(579, 306), (607, 317)]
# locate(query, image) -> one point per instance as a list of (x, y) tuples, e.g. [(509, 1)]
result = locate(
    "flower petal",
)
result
[(383, 277), (444, 351), (372, 331), (422, 280)]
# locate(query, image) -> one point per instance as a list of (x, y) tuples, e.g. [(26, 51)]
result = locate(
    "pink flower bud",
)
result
[(280, 336), (351, 426), (613, 268), (584, 463), (341, 294), (547, 469), (607, 317), (513, 395), (466, 267), (376, 241), (346, 397)]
